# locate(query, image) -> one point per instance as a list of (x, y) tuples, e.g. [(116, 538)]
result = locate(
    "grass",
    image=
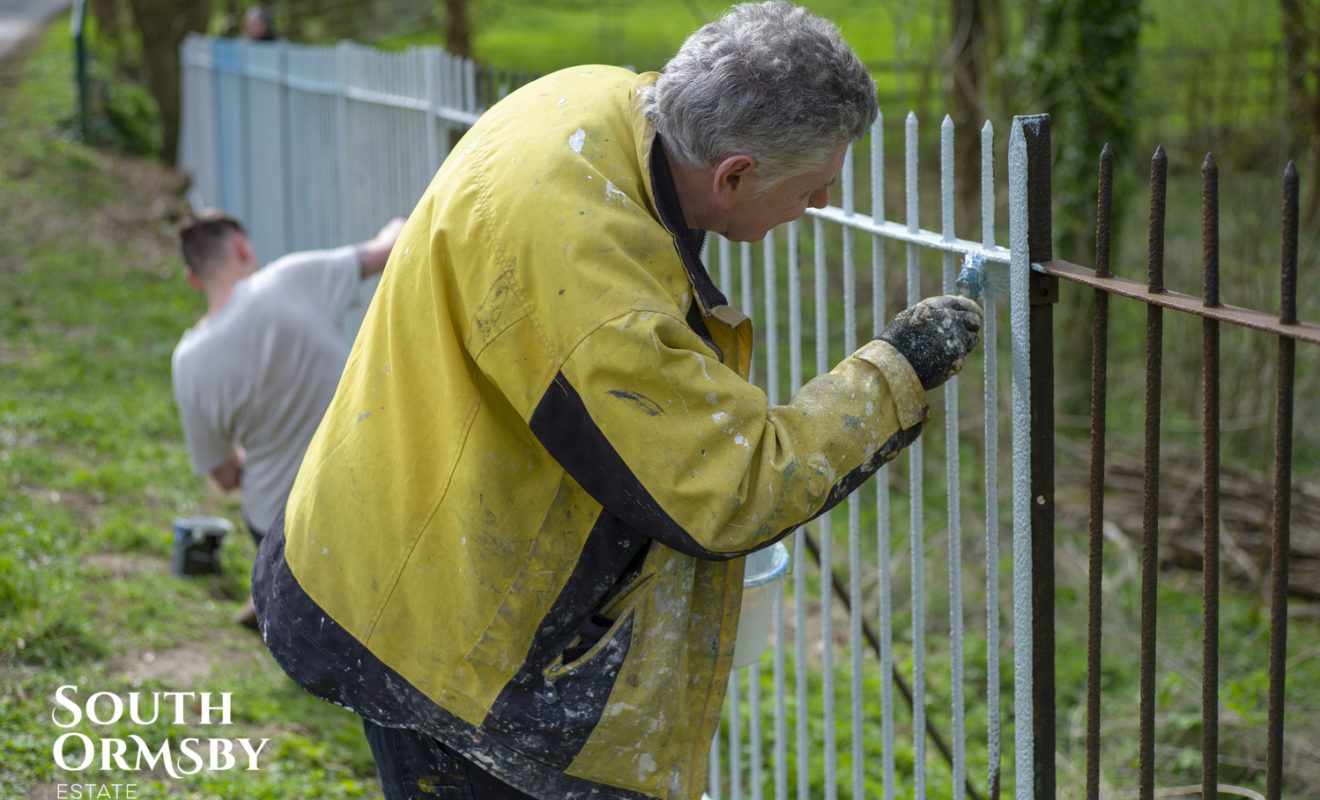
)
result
[(92, 470), (541, 37)]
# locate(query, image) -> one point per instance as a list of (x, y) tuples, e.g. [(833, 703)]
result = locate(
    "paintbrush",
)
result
[(976, 280)]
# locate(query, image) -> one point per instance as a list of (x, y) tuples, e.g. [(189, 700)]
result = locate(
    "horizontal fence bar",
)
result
[(270, 74), (410, 103), (1233, 315), (901, 232)]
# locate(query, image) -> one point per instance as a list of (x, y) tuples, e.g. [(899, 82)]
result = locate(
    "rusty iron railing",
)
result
[(1288, 330)]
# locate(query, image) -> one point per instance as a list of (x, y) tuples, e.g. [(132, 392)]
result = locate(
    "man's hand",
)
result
[(935, 336), (373, 253), (229, 475)]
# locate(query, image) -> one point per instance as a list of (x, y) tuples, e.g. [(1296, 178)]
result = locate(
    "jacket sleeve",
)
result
[(669, 439)]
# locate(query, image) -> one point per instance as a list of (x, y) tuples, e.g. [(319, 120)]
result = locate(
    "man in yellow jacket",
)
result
[(515, 546)]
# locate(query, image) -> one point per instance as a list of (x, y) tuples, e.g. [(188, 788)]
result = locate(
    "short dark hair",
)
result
[(202, 236)]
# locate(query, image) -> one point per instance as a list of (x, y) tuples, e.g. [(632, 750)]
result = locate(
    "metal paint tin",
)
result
[(197, 544)]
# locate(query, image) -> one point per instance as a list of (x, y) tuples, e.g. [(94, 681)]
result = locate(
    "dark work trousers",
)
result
[(413, 766)]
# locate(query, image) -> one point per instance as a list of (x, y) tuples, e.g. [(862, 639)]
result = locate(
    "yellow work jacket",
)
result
[(546, 420)]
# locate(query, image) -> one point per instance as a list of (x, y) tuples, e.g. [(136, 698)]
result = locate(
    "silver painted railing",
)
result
[(742, 757), (318, 146)]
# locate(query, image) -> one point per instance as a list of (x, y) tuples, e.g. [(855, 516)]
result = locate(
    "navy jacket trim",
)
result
[(857, 477), (565, 428), (687, 241)]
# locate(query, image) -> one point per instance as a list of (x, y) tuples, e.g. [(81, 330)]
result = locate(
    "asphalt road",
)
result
[(21, 18)]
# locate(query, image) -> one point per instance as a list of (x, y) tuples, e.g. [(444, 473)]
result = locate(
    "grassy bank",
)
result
[(92, 471)]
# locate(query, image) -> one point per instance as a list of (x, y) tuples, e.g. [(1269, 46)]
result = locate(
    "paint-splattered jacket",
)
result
[(546, 416)]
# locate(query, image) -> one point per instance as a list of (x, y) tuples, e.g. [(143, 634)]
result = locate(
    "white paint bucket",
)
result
[(762, 583)]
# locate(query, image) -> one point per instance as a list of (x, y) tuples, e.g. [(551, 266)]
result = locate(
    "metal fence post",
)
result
[(1044, 294), (286, 146), (431, 84), (1281, 525), (341, 111), (242, 70), (80, 65), (1019, 274)]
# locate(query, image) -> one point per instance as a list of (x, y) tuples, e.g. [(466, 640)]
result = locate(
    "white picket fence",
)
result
[(318, 146)]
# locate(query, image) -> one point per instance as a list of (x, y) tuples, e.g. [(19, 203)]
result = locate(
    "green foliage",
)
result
[(845, 731), (124, 117), (121, 113), (539, 37), (1243, 680)]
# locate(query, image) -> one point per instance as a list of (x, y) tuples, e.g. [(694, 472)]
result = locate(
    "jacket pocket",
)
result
[(619, 612), (551, 713)]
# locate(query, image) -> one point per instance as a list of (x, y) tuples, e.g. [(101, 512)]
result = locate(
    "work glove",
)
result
[(935, 336)]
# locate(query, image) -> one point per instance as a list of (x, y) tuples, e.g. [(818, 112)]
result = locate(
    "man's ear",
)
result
[(243, 248), (194, 280), (734, 178)]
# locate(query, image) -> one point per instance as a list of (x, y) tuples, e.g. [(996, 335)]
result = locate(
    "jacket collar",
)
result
[(687, 241)]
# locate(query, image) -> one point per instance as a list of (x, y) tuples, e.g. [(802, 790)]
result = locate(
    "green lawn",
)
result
[(542, 37)]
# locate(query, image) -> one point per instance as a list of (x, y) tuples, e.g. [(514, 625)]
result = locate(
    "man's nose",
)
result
[(819, 199)]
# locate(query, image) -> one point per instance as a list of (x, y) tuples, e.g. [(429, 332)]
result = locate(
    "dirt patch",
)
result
[(185, 666), (1245, 517), (216, 646), (120, 566), (64, 790), (141, 224), (146, 222), (182, 667)]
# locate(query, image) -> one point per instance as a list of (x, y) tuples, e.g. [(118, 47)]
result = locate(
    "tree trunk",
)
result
[(967, 99), (1086, 56), (106, 14), (109, 16), (163, 24), (1301, 40), (1294, 50), (291, 19), (458, 28), (233, 18)]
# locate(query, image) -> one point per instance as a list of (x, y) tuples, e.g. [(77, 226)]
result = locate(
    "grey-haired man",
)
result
[(516, 545)]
